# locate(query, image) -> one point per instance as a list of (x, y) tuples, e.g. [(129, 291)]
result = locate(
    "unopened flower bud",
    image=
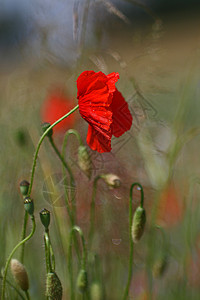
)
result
[(20, 275), (29, 205), (45, 126), (139, 220), (84, 161), (24, 186), (82, 281), (112, 180), (53, 287), (160, 266), (45, 217), (96, 291)]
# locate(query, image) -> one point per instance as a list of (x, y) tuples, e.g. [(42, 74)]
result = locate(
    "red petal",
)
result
[(99, 141), (122, 119)]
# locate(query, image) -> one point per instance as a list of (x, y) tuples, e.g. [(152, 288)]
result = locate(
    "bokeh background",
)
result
[(155, 47)]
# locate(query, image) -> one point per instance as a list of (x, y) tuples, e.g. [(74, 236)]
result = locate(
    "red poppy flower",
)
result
[(55, 106), (103, 107)]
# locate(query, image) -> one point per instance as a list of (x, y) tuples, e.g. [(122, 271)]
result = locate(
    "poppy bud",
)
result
[(84, 161), (96, 291), (29, 205), (53, 287), (160, 266), (45, 217), (45, 126), (82, 281), (139, 220), (24, 186), (112, 180), (20, 275)]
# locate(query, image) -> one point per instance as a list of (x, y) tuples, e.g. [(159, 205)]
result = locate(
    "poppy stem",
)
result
[(40, 142), (92, 209), (83, 260), (130, 273), (12, 253)]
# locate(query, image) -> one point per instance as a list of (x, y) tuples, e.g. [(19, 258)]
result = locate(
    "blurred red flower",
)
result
[(103, 107), (170, 209), (54, 107)]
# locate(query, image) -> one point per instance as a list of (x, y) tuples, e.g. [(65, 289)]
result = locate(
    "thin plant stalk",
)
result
[(72, 213), (130, 271), (40, 143), (83, 261), (23, 234), (92, 210), (12, 253), (14, 287), (27, 295), (34, 166)]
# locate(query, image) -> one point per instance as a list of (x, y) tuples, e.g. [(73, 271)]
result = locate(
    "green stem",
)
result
[(130, 272), (27, 295), (49, 254), (92, 209), (40, 142), (11, 254), (12, 286), (23, 234), (83, 261)]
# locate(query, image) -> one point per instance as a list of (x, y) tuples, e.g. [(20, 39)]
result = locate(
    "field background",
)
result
[(157, 55)]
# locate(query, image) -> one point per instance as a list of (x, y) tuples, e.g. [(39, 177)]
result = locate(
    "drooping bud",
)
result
[(84, 161), (45, 217), (20, 275), (24, 186), (53, 287), (96, 291), (45, 126), (82, 281), (160, 266), (112, 180), (139, 220), (29, 205)]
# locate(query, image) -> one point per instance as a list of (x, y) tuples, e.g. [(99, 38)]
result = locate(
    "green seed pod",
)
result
[(112, 180), (19, 273), (45, 126), (29, 205), (82, 281), (24, 186), (139, 220), (53, 287), (84, 161), (96, 291), (45, 217), (160, 266)]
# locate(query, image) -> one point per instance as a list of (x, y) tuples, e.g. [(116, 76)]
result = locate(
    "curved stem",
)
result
[(40, 142), (130, 272), (83, 261), (92, 209), (11, 254)]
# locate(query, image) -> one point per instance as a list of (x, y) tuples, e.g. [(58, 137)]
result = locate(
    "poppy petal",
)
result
[(122, 118), (99, 141)]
